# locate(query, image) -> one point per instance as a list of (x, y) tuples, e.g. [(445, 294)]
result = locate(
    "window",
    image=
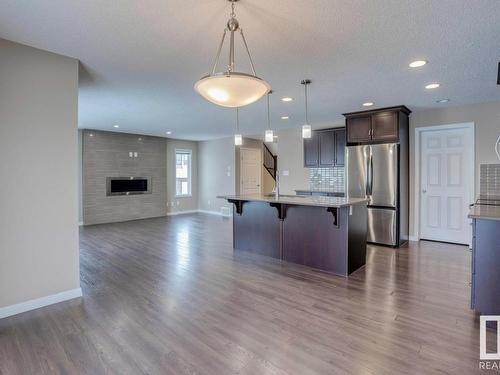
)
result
[(182, 173)]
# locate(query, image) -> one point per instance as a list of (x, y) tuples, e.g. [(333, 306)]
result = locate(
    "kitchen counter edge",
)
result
[(484, 212), (317, 201)]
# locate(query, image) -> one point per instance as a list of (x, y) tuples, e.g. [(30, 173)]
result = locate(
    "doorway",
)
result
[(250, 171), (446, 184)]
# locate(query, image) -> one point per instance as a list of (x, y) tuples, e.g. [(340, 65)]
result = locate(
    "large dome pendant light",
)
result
[(306, 128), (230, 88), (269, 135)]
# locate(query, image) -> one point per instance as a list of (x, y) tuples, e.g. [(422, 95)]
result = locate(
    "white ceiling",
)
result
[(140, 59)]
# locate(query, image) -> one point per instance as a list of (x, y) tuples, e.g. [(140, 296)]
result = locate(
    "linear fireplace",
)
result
[(128, 185)]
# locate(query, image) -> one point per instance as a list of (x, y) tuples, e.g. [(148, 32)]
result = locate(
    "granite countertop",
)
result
[(479, 211), (318, 201), (320, 191)]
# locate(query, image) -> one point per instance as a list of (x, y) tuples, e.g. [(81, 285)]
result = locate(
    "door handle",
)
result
[(424, 191)]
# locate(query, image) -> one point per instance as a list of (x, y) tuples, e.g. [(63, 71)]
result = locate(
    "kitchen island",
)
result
[(485, 262), (327, 233)]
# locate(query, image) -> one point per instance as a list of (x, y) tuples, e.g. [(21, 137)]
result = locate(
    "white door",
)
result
[(446, 184), (250, 170)]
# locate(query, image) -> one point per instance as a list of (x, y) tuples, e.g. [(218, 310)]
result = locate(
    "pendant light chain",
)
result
[(307, 114), (268, 112), (306, 128), (237, 120)]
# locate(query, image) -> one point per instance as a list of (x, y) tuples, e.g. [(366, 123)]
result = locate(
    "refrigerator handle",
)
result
[(367, 179), (371, 173)]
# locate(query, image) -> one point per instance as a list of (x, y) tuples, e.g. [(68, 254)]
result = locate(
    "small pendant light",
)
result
[(306, 128), (238, 139), (269, 136)]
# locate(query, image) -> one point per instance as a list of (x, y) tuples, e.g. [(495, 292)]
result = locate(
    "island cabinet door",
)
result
[(257, 229), (310, 238)]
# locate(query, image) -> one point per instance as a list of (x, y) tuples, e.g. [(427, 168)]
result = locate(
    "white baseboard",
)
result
[(173, 213), (414, 238), (39, 302), (196, 212), (213, 213)]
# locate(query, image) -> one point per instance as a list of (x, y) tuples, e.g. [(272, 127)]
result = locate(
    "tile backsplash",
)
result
[(327, 179), (489, 180)]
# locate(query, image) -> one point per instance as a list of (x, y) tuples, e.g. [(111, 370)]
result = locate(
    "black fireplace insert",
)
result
[(128, 185)]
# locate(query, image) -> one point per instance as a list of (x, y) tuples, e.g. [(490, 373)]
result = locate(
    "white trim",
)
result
[(174, 213), (413, 238), (80, 223), (190, 178), (416, 170), (213, 213), (39, 302)]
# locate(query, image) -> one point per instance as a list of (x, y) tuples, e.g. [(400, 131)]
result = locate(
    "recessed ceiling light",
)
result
[(116, 126), (417, 63), (367, 104), (287, 99), (285, 117), (442, 101), (91, 134), (432, 86), (169, 132)]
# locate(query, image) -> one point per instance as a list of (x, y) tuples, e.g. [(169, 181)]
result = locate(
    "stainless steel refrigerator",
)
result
[(380, 173)]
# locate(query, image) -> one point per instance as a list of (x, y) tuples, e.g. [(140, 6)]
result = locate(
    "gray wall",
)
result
[(106, 154), (486, 117), (176, 204), (38, 200), (216, 173)]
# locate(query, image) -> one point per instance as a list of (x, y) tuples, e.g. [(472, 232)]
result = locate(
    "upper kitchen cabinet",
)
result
[(360, 129), (326, 141), (376, 126), (340, 143), (311, 151), (325, 148)]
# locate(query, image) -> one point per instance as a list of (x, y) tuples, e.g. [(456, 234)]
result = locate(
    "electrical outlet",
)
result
[(177, 203), (209, 202)]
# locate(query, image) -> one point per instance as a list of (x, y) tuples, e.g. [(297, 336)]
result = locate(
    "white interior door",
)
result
[(250, 171), (446, 184)]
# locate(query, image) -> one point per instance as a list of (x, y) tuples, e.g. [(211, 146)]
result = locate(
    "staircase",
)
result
[(270, 162)]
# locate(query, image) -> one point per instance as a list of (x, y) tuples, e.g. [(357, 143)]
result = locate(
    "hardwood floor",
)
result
[(168, 296)]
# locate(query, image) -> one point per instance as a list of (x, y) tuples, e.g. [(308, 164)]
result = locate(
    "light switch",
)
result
[(130, 154), (286, 173), (136, 154)]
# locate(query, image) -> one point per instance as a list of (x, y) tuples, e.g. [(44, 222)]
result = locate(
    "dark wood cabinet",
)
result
[(340, 144), (325, 148), (376, 126), (485, 263), (326, 141), (359, 129), (385, 126), (311, 151)]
